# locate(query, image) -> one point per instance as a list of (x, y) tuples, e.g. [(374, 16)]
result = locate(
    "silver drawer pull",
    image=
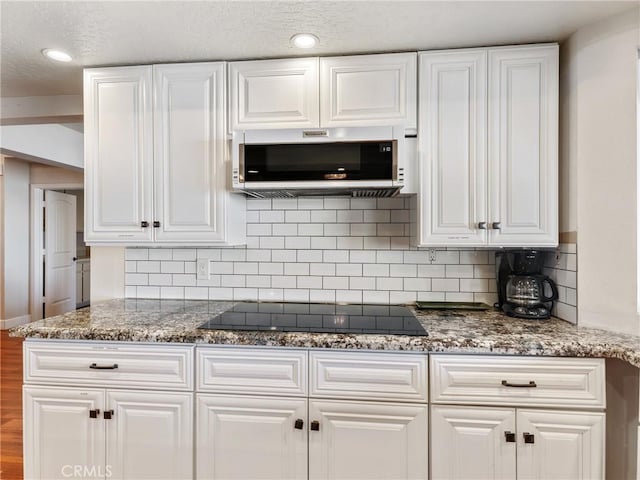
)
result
[(531, 384), (95, 366)]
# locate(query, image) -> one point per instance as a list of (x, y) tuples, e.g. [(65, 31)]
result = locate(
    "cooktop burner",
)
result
[(318, 318)]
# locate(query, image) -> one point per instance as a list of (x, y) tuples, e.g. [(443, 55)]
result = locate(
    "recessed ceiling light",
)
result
[(304, 40), (57, 55)]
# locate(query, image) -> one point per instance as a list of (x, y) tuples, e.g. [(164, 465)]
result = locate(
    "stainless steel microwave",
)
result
[(364, 161)]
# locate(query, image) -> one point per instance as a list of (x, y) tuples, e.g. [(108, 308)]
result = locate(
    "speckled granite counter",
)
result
[(176, 321)]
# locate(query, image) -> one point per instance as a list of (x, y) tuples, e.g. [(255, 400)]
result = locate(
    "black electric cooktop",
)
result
[(318, 318)]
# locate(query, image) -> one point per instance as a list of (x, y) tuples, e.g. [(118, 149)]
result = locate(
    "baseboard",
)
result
[(14, 322)]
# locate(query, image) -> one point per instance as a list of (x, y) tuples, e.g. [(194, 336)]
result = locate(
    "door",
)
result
[(243, 437), (453, 165), (368, 90), (368, 440), (557, 444), (523, 146), (61, 438), (150, 435), (473, 443), (190, 168), (60, 253), (274, 93), (118, 146)]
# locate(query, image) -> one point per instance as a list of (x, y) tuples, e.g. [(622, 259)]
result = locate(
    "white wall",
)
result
[(16, 241), (107, 273), (47, 175), (599, 159)]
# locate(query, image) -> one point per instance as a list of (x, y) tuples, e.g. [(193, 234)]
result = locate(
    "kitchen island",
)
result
[(491, 332), (134, 389)]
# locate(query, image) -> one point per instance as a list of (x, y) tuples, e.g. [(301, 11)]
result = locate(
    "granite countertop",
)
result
[(176, 321)]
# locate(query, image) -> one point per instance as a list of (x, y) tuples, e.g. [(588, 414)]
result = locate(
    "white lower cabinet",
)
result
[(246, 437), (150, 435), (469, 443), (524, 418), (567, 445), (97, 433), (367, 440), (488, 443), (59, 435), (133, 422), (342, 425)]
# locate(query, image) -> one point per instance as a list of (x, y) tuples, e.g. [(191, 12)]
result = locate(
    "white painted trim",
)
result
[(35, 247), (638, 199), (58, 186), (36, 196), (14, 322)]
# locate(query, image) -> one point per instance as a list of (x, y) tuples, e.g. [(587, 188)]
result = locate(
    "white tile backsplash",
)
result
[(331, 249), (562, 267)]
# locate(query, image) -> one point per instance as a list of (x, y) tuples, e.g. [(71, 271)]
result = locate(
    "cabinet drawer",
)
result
[(526, 381), (381, 376), (109, 365), (256, 371)]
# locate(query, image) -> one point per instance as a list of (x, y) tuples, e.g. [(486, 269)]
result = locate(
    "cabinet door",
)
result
[(118, 148), (567, 445), (368, 90), (274, 93), (368, 440), (470, 443), (523, 146), (86, 281), (251, 437), (452, 166), (79, 282), (60, 437), (190, 168), (150, 435)]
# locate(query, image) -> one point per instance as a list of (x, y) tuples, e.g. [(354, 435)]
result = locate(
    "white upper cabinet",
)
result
[(118, 150), (190, 173), (368, 90), (156, 168), (453, 130), (488, 147), (361, 90), (274, 93), (523, 145)]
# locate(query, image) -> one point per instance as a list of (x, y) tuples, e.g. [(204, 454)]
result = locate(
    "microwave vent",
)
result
[(307, 192)]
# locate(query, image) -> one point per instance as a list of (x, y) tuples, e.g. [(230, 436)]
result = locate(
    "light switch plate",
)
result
[(202, 269)]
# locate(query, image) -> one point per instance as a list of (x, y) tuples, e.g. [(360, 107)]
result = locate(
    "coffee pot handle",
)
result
[(554, 290)]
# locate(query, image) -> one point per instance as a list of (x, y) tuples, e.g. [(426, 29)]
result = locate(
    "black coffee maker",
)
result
[(522, 287)]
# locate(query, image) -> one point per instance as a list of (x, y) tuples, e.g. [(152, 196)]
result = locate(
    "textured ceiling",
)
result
[(131, 32)]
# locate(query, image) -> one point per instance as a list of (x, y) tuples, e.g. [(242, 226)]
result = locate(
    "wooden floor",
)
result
[(10, 407)]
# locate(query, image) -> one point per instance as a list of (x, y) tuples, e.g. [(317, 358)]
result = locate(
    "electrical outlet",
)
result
[(202, 269), (557, 256), (432, 255)]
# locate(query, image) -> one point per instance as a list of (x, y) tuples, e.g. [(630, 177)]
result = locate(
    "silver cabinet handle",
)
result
[(496, 225), (482, 225)]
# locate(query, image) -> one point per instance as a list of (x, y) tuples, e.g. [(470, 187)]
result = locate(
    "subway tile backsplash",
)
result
[(322, 249), (563, 269)]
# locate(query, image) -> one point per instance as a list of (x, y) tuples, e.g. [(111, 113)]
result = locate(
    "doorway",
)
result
[(59, 258)]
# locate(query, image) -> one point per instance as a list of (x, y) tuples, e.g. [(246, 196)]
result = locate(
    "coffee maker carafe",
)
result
[(522, 286)]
